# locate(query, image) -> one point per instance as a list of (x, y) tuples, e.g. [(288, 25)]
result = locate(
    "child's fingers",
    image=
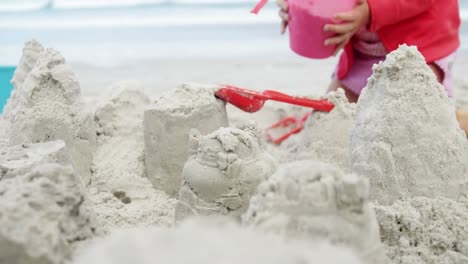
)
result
[(346, 16), (340, 28), (283, 5), (337, 40), (284, 25), (284, 16)]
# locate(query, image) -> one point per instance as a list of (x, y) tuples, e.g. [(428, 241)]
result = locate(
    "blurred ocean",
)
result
[(109, 32)]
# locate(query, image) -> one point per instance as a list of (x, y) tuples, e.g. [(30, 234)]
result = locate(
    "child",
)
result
[(376, 27)]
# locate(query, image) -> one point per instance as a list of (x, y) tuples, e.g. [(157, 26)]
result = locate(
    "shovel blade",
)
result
[(246, 100)]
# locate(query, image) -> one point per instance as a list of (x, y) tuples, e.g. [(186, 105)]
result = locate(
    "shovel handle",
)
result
[(321, 105), (259, 6)]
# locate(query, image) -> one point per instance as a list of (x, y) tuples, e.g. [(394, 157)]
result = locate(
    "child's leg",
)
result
[(462, 118), (335, 84), (353, 98), (439, 73)]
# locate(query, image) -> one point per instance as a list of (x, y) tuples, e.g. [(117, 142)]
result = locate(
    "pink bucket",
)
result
[(307, 20)]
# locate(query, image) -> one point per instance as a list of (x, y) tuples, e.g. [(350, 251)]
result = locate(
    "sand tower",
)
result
[(223, 172)]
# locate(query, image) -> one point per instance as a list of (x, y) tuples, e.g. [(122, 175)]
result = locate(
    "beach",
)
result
[(163, 43), (115, 146), (289, 74)]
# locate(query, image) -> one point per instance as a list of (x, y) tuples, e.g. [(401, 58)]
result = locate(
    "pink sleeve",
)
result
[(387, 12)]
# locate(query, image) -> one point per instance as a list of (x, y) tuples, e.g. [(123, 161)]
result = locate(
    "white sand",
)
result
[(44, 221), (406, 138), (167, 124), (326, 136), (46, 104), (316, 201), (223, 173), (44, 212), (106, 140), (21, 158), (423, 230), (122, 195), (209, 241)]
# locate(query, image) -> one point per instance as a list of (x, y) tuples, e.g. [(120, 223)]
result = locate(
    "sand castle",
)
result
[(167, 125), (223, 172), (45, 106), (120, 192), (70, 174), (313, 200), (406, 138)]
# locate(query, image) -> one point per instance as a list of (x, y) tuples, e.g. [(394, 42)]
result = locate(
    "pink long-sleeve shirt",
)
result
[(431, 25)]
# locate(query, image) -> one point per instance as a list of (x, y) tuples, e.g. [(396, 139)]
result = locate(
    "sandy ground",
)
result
[(284, 74), (292, 74)]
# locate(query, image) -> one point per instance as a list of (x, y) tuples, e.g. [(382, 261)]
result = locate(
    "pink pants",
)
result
[(361, 70)]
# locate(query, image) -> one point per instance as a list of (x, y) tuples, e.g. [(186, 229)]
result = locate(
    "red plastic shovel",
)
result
[(252, 101)]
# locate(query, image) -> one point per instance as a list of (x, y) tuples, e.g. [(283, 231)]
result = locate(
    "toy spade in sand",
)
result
[(282, 130), (252, 101)]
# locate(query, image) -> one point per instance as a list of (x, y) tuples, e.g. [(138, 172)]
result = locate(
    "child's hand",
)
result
[(352, 21), (283, 13)]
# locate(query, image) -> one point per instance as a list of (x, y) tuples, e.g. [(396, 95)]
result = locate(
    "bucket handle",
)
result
[(259, 6)]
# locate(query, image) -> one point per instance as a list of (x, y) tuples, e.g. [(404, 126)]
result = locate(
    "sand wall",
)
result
[(120, 192)]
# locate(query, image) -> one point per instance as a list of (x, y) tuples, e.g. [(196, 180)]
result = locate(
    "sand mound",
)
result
[(313, 200), (223, 172), (326, 136), (222, 243), (32, 51), (43, 211), (406, 138), (3, 133), (122, 195), (45, 106), (423, 230)]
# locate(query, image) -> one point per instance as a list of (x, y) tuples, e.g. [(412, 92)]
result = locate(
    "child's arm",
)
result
[(283, 13), (387, 12), (351, 22), (373, 14)]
